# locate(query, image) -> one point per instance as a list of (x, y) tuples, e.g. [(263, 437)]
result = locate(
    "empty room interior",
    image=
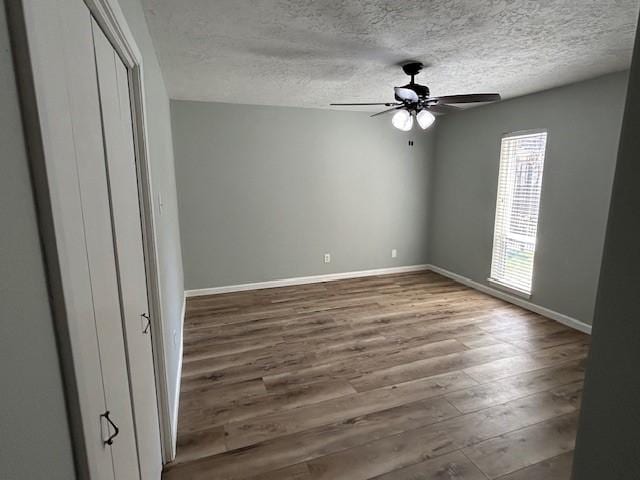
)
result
[(320, 240)]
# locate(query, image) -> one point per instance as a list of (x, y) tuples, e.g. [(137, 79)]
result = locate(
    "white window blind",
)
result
[(519, 187)]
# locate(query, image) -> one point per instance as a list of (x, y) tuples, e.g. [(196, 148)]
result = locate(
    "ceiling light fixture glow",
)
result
[(425, 119), (402, 120)]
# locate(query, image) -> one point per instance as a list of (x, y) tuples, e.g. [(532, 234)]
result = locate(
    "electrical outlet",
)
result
[(394, 253), (327, 258)]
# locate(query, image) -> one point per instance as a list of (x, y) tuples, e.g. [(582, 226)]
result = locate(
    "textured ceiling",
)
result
[(312, 52)]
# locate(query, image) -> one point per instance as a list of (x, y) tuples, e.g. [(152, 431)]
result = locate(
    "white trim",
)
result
[(285, 282), (176, 396), (113, 23), (510, 290), (552, 314), (524, 133), (502, 295)]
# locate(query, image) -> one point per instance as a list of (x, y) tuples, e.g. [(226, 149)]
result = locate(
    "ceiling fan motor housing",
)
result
[(421, 90), (412, 69)]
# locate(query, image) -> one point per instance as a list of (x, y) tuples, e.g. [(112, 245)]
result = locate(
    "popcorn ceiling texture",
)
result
[(310, 53)]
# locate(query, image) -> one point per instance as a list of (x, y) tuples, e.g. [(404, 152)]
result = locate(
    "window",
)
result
[(519, 186)]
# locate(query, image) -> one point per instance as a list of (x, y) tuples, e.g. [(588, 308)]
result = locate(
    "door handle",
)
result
[(148, 325), (109, 441)]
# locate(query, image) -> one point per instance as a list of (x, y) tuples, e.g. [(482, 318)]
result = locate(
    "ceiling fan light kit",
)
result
[(425, 119), (402, 120), (414, 100)]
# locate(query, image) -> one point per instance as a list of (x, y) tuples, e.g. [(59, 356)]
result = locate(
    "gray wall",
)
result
[(34, 439), (264, 192), (583, 122), (607, 445), (164, 187)]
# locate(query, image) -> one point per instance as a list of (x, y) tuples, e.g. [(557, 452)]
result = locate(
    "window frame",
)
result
[(494, 282)]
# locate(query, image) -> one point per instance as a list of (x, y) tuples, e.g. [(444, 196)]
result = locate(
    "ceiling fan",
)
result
[(413, 100)]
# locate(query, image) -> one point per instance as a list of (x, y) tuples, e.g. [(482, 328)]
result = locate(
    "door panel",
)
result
[(126, 222), (51, 28), (100, 256)]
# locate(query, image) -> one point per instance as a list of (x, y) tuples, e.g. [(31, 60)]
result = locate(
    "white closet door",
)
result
[(100, 256), (70, 126), (100, 253), (125, 213)]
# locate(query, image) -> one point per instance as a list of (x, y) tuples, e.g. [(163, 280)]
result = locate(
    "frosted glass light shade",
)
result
[(402, 120), (425, 119)]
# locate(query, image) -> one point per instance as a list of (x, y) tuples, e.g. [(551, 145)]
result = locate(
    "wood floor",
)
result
[(409, 376)]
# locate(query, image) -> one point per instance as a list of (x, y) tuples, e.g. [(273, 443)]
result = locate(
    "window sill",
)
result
[(508, 289)]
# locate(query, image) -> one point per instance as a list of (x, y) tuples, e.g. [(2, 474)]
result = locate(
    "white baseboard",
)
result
[(507, 297), (546, 312), (176, 397), (285, 282)]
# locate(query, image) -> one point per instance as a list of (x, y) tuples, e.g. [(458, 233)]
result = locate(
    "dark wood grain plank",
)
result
[(390, 375), (414, 446), (500, 391), (557, 468), (257, 429), (317, 442), (454, 466), (510, 452)]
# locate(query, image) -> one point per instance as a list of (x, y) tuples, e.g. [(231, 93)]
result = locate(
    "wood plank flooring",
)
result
[(395, 377)]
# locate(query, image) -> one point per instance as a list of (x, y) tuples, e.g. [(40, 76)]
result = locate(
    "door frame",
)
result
[(113, 23), (29, 69)]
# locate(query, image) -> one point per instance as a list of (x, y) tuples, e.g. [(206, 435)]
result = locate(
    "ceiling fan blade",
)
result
[(470, 98), (443, 109), (406, 94), (387, 104), (386, 111)]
